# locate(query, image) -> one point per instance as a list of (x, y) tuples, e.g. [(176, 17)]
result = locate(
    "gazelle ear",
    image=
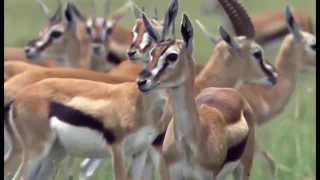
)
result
[(292, 24), (118, 15), (149, 28), (135, 9), (212, 38), (82, 17), (170, 16), (187, 33), (228, 38), (69, 16)]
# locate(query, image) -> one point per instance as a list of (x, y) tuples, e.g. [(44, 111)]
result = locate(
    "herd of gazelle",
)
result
[(185, 120)]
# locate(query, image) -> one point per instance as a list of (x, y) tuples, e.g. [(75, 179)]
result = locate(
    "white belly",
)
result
[(80, 141), (183, 170), (89, 143)]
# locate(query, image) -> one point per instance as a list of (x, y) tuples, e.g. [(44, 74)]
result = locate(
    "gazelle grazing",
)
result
[(197, 145), (297, 54), (103, 33), (270, 26)]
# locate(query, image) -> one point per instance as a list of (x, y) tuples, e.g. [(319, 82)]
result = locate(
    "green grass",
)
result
[(290, 138)]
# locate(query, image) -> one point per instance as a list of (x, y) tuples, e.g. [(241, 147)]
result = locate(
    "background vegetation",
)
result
[(290, 138)]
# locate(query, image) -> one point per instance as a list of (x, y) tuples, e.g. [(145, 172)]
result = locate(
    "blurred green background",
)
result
[(290, 138)]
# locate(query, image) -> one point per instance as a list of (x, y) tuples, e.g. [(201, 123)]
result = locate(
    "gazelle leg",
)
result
[(149, 168), (88, 167), (119, 172), (268, 160), (137, 165), (238, 172), (69, 169), (50, 163), (159, 162)]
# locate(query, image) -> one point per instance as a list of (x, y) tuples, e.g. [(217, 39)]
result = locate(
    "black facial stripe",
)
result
[(267, 71), (161, 70), (78, 118)]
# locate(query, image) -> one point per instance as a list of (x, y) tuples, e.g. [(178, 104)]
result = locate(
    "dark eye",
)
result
[(313, 46), (257, 54), (172, 57), (56, 34)]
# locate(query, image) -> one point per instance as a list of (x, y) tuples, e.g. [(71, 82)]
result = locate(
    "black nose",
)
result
[(131, 52), (141, 82)]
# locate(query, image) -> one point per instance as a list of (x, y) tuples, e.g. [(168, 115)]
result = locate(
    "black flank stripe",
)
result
[(235, 153), (78, 118)]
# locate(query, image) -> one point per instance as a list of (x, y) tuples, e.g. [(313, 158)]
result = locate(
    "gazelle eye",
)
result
[(56, 34), (257, 54), (172, 57)]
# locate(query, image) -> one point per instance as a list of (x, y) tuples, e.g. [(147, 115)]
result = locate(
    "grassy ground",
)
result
[(290, 138)]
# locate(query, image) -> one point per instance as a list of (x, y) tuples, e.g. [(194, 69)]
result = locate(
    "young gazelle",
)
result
[(269, 26), (297, 54), (203, 133), (101, 34)]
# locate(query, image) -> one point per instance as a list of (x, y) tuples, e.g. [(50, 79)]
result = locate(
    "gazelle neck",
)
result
[(153, 106), (286, 64), (72, 56), (215, 74), (186, 118)]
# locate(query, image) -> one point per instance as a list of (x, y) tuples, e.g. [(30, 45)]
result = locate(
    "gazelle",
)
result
[(140, 116), (198, 139), (103, 32), (270, 26), (297, 54), (236, 59)]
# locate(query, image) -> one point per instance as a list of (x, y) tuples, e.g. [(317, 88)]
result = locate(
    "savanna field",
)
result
[(290, 138)]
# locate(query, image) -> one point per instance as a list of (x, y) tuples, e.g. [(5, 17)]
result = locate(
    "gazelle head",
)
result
[(170, 58), (99, 29), (55, 36), (302, 42), (241, 54), (141, 40)]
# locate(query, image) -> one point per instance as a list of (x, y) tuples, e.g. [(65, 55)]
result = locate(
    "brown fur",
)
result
[(268, 103)]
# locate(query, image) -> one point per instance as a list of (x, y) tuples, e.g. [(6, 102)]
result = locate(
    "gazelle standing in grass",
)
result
[(297, 54), (145, 112), (198, 139)]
